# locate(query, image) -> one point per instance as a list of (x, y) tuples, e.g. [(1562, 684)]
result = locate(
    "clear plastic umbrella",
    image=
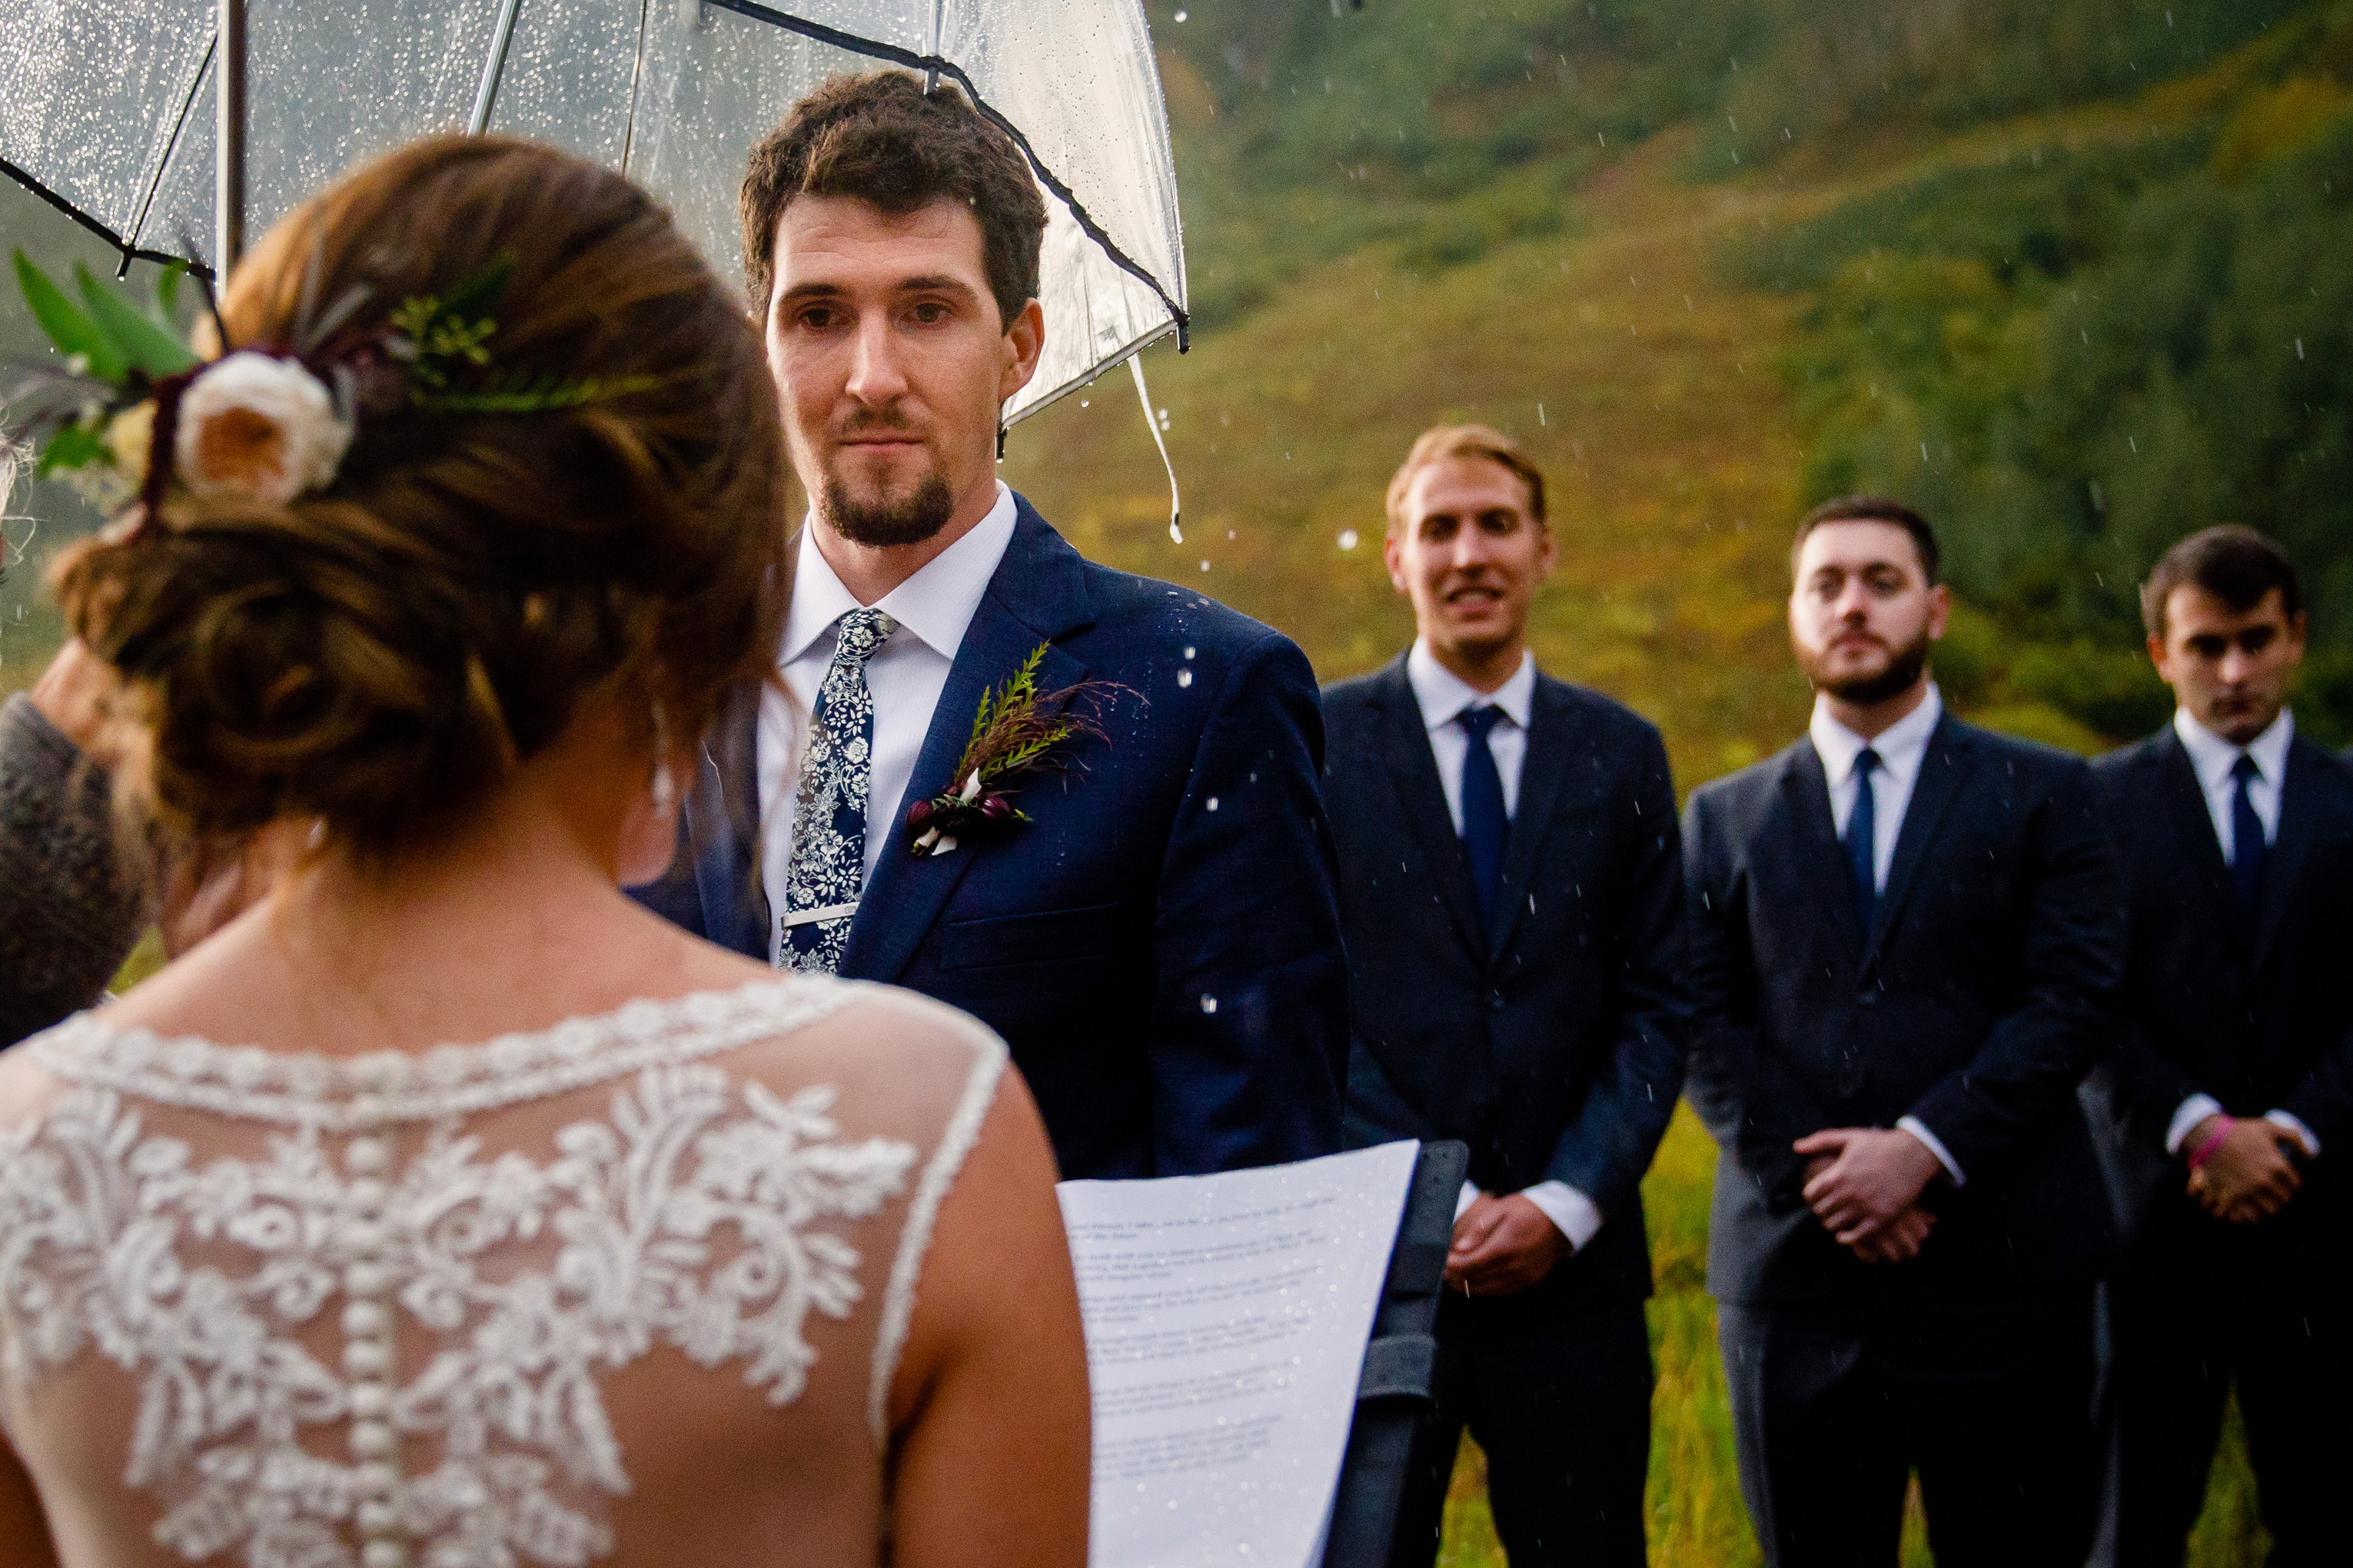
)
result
[(112, 110)]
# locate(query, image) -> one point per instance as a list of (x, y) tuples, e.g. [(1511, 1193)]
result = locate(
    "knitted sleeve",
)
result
[(68, 913)]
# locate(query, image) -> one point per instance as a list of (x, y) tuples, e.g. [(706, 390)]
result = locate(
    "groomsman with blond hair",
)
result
[(1511, 902)]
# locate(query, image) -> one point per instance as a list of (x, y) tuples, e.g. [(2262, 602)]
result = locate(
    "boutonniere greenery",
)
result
[(1014, 735)]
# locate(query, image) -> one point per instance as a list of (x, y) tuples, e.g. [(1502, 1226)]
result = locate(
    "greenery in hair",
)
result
[(445, 339)]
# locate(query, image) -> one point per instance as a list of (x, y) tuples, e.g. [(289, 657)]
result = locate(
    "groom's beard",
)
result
[(883, 522)]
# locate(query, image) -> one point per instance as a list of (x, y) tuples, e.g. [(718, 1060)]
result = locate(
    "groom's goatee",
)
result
[(910, 521)]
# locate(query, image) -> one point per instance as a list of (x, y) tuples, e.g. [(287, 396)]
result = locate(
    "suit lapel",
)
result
[(1550, 752), (1037, 594), (1805, 796), (2193, 825), (1413, 770), (1947, 765), (2300, 806)]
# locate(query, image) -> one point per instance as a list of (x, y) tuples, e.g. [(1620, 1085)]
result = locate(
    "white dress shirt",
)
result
[(1443, 695), (906, 675), (2211, 758), (1902, 749)]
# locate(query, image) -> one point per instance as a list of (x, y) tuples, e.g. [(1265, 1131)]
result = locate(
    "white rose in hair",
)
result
[(254, 426)]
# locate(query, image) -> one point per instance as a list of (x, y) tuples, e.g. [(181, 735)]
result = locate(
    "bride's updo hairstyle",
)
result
[(380, 653)]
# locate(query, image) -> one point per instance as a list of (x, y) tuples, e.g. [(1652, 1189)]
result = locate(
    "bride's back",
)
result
[(451, 574), (630, 1289)]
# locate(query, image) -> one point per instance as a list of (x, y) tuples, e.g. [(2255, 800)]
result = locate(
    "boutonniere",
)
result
[(1013, 734)]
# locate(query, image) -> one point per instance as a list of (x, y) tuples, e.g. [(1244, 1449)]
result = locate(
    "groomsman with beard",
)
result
[(2231, 1089), (1158, 942), (1907, 936), (1512, 897)]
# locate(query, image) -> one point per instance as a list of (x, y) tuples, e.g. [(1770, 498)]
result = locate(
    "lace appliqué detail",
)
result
[(693, 1216)]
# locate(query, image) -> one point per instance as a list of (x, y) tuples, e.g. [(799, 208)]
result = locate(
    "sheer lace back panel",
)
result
[(626, 1291)]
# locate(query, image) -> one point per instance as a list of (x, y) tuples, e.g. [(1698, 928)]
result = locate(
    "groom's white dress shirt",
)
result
[(2212, 758), (905, 675), (1902, 749), (1442, 696)]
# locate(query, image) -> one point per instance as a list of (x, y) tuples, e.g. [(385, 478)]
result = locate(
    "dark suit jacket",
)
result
[(2259, 1017), (1161, 946), (1977, 1003), (1553, 1046)]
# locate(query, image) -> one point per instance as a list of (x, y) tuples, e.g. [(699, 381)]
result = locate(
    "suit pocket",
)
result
[(1051, 936)]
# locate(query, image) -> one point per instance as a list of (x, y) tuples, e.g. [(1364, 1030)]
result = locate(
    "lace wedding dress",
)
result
[(628, 1290)]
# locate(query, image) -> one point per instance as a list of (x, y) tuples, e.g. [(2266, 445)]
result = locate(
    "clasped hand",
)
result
[(1864, 1184), (1502, 1245), (2250, 1175)]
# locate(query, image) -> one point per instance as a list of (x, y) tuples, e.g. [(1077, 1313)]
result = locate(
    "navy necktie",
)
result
[(2246, 837), (1862, 840), (1485, 821)]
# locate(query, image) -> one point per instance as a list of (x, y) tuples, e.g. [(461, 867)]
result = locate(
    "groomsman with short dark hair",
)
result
[(1906, 935), (2232, 1088), (1511, 904)]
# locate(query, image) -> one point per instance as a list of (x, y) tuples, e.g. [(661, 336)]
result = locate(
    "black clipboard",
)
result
[(1395, 1387)]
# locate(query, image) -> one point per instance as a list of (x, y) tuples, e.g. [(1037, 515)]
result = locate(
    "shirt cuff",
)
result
[(1571, 1212), (2294, 1123), (2192, 1112), (1934, 1145)]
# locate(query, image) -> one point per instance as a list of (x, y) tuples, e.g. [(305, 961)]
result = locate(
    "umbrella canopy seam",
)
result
[(171, 146), (876, 49), (130, 251)]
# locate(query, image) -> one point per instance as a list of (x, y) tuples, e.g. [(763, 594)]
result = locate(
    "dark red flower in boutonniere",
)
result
[(1014, 735)]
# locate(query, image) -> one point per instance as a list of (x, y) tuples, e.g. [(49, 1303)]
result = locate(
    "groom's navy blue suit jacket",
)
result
[(1160, 946)]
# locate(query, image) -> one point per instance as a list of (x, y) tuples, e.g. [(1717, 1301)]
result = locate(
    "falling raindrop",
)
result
[(1208, 1005), (1188, 653), (1347, 539), (2299, 348), (1183, 677), (1205, 565), (1213, 803), (1540, 418)]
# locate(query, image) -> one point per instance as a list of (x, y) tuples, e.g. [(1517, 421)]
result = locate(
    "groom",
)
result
[(1159, 943)]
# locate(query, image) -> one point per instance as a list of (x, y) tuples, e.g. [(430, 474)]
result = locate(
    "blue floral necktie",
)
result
[(827, 869)]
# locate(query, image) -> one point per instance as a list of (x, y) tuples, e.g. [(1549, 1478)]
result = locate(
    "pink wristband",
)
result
[(2206, 1150)]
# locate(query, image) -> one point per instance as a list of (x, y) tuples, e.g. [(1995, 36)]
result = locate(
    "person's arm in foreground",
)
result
[(992, 1435), (1250, 1027), (68, 916)]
